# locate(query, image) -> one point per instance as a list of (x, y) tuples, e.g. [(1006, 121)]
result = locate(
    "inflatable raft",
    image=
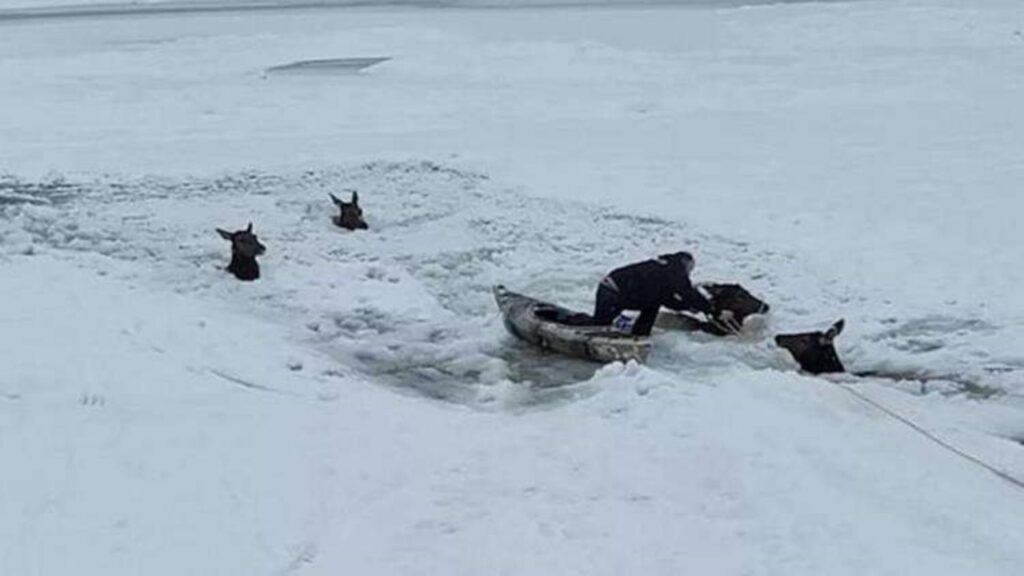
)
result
[(570, 333)]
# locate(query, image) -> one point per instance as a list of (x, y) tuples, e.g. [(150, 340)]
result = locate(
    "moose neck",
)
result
[(826, 363), (349, 222), (244, 267)]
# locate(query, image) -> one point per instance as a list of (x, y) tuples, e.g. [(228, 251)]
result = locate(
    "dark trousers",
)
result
[(608, 305)]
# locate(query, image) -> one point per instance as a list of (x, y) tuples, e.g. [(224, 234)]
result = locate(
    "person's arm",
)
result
[(680, 294), (686, 297), (683, 296)]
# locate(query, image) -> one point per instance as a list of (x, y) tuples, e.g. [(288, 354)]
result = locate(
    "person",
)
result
[(648, 286)]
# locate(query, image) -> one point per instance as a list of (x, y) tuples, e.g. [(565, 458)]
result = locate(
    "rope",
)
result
[(942, 443)]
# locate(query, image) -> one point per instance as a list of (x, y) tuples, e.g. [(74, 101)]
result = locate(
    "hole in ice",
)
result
[(528, 365), (461, 376)]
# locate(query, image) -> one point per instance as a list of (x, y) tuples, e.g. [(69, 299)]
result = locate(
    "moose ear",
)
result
[(355, 197), (224, 234), (835, 330), (337, 201), (249, 228)]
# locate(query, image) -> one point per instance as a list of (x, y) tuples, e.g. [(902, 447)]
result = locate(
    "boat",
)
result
[(566, 332)]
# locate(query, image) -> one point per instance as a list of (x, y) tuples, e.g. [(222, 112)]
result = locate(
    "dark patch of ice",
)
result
[(45, 192), (540, 369), (436, 372), (935, 325), (328, 66)]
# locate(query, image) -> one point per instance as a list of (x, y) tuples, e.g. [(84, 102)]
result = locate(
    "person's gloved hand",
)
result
[(725, 320)]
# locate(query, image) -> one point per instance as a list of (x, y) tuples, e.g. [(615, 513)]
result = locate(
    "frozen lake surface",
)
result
[(360, 408)]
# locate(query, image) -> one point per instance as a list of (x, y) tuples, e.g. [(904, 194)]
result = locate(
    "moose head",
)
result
[(814, 351), (731, 298), (735, 299), (245, 247), (351, 216)]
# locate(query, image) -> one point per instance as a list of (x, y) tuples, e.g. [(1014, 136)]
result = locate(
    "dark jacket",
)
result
[(663, 281)]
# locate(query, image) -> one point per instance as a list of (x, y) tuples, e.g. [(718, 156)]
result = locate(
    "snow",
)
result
[(153, 458), (360, 409)]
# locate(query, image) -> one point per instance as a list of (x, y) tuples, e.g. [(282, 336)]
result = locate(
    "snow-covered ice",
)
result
[(360, 409)]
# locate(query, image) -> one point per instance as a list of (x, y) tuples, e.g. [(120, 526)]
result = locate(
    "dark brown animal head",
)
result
[(814, 351), (351, 216), (736, 299), (245, 247)]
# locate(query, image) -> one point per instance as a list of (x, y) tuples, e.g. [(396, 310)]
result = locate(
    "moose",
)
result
[(733, 300), (245, 247), (351, 216), (815, 352)]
